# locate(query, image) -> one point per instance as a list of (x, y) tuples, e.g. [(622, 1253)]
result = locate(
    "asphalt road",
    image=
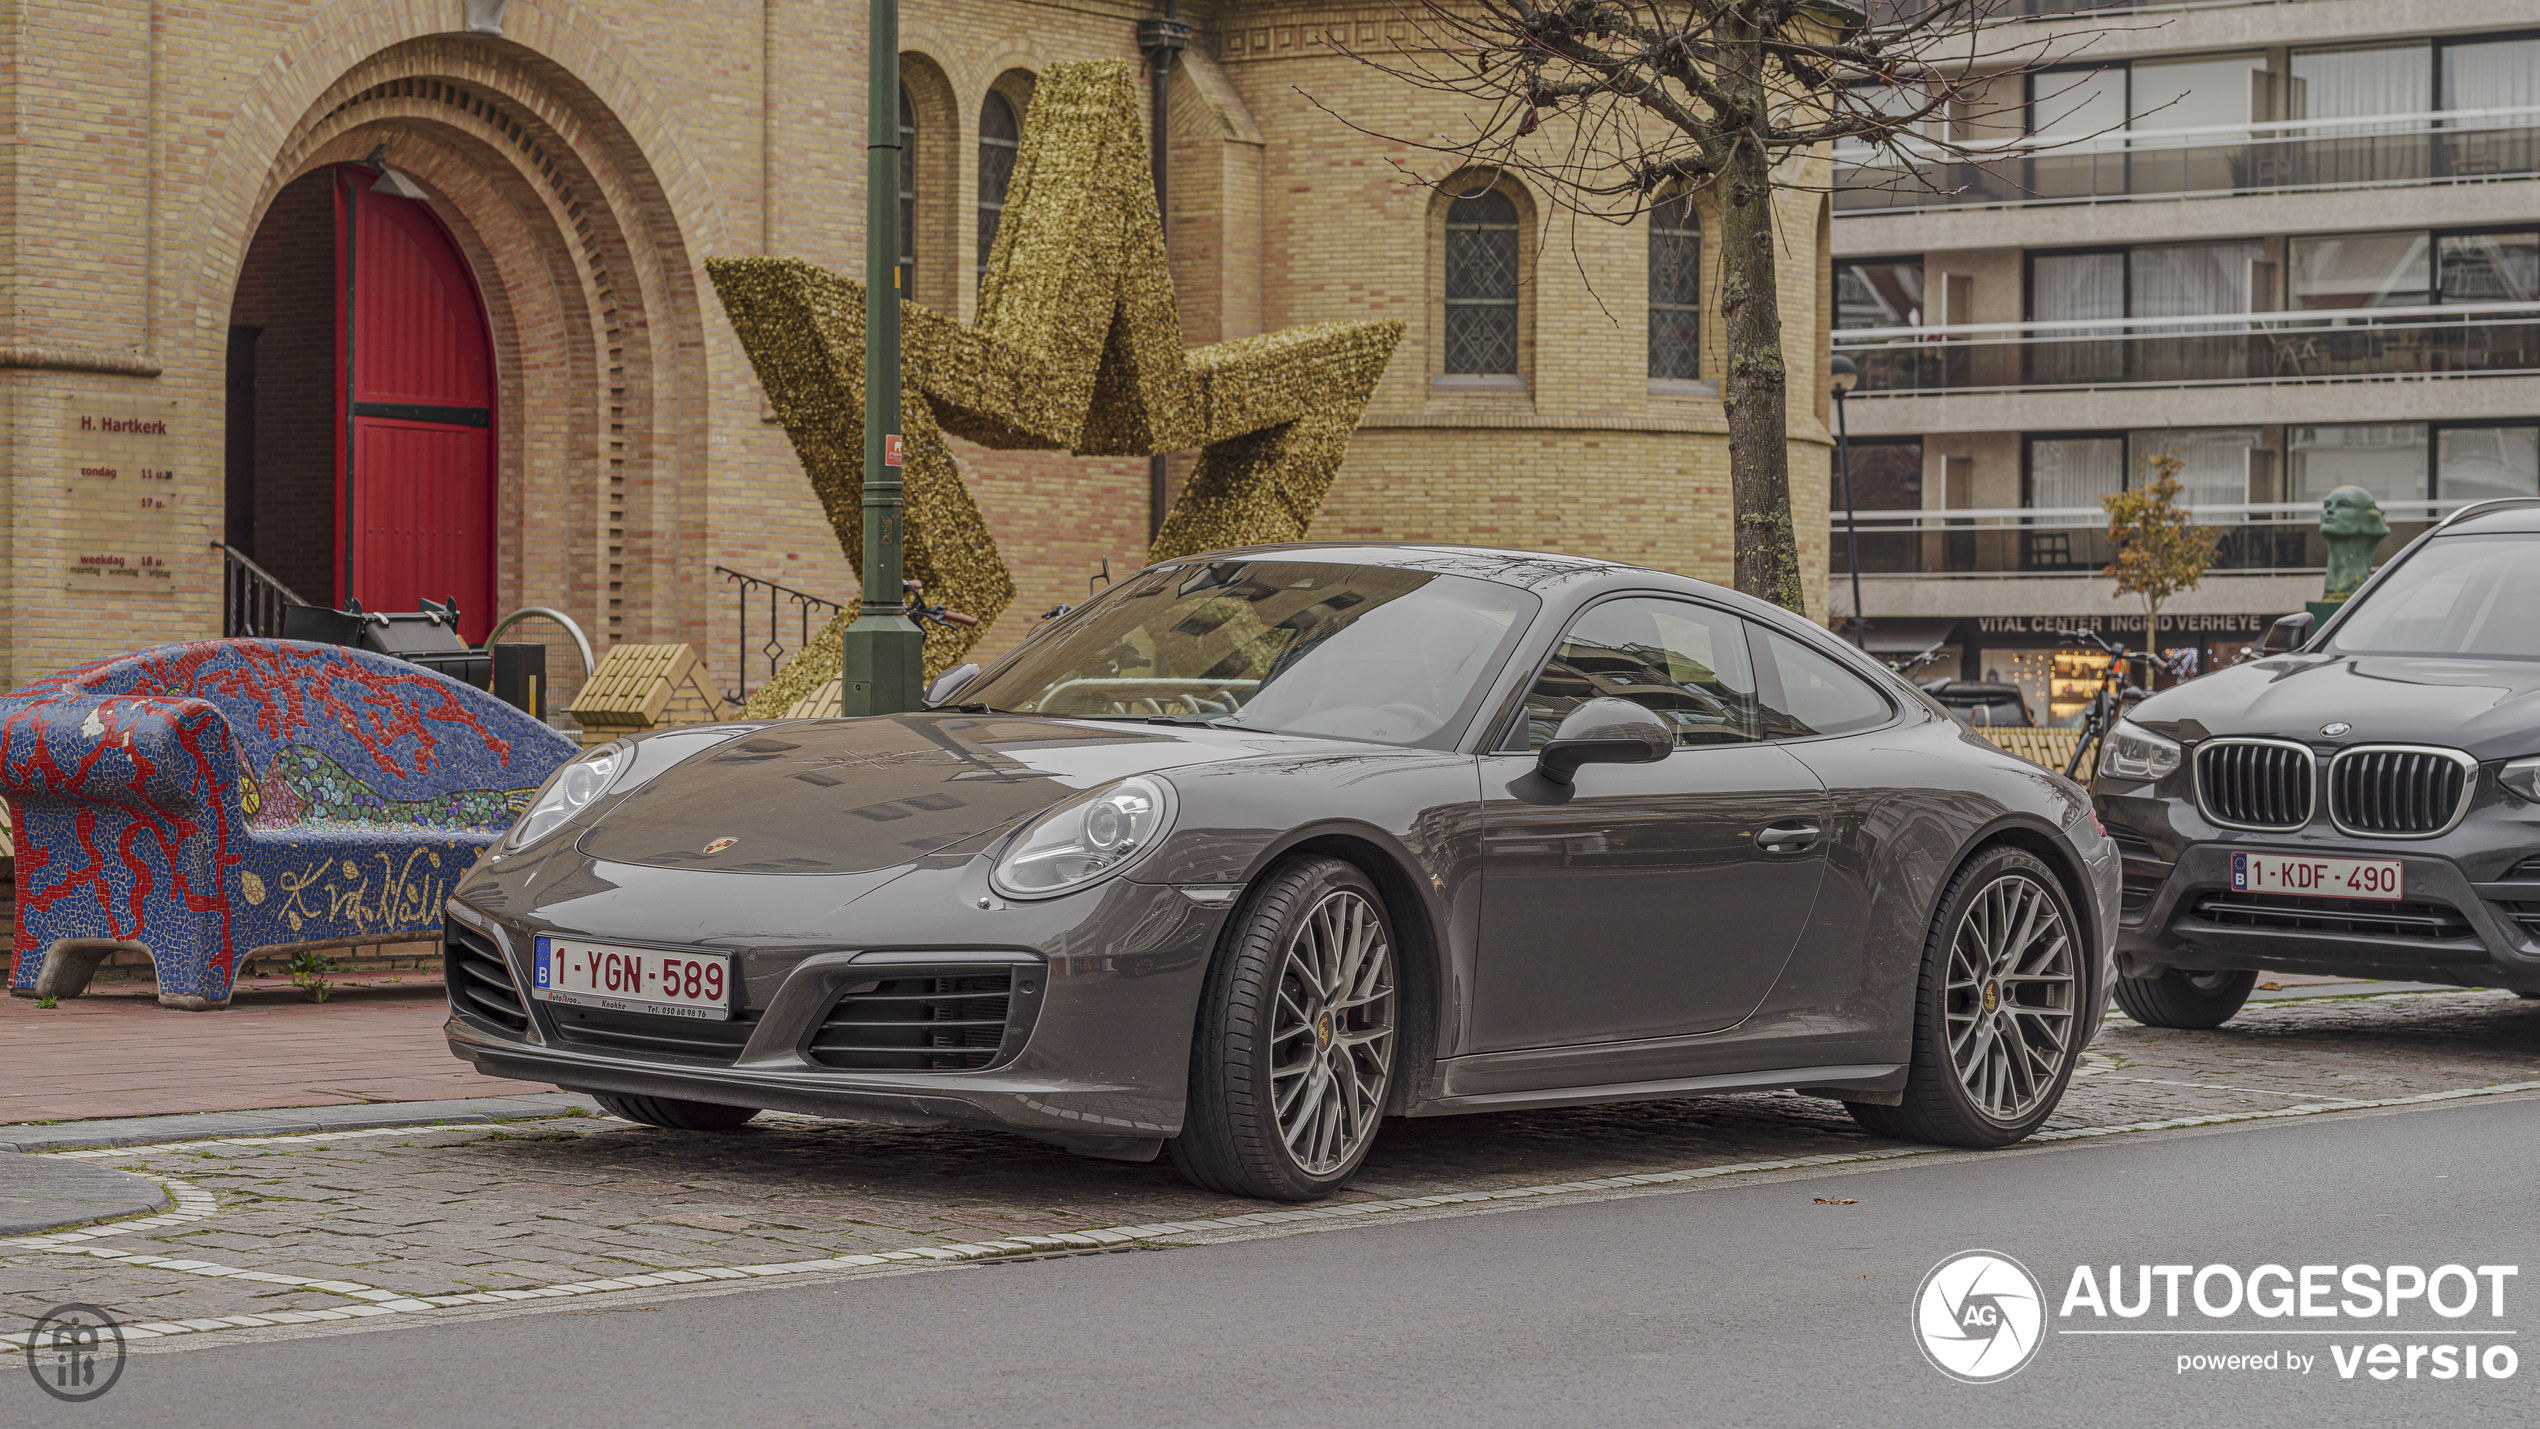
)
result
[(1744, 1302)]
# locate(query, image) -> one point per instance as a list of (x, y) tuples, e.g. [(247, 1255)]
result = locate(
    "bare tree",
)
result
[(1613, 107)]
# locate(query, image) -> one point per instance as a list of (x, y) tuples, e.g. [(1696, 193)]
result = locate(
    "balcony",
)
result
[(2334, 345), (2265, 539), (2283, 156)]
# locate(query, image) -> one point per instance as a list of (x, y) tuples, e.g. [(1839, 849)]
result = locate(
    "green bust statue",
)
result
[(2352, 523)]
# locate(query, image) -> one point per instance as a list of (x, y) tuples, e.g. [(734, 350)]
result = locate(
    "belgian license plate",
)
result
[(2317, 877), (655, 980)]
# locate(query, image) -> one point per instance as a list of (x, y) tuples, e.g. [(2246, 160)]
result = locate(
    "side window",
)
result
[(1687, 662), (1817, 695)]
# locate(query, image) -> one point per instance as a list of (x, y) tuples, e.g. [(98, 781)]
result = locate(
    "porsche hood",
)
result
[(856, 795)]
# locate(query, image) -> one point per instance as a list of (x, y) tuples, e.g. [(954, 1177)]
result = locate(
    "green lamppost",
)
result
[(883, 658)]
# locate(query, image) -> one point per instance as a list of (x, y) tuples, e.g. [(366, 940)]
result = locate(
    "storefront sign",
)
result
[(125, 515), (2170, 624)]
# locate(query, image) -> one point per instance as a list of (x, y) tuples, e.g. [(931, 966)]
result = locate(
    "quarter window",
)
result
[(1685, 662), (1481, 285), (1817, 696)]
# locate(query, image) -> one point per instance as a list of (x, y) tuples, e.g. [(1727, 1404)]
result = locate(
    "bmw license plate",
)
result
[(656, 980), (2317, 877)]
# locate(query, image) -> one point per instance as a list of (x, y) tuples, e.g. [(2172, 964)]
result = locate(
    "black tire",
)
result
[(674, 1113), (1231, 1137), (2185, 999), (1938, 1107)]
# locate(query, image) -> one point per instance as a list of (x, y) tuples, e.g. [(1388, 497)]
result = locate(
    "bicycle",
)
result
[(2114, 690)]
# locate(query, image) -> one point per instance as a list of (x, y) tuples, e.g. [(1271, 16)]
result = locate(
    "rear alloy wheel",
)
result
[(673, 1113), (2185, 998), (1295, 1046), (1999, 1018)]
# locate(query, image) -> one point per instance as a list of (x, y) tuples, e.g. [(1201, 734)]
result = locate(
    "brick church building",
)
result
[(401, 298)]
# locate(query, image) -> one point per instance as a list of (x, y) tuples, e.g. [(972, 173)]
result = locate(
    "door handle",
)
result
[(1787, 838)]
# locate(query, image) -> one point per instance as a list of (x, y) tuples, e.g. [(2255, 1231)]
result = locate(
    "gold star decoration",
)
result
[(1077, 348)]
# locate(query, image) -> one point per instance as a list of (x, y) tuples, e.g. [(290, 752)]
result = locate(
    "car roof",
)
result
[(2512, 516), (1972, 690)]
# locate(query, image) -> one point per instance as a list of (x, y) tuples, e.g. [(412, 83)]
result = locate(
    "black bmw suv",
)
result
[(2363, 801)]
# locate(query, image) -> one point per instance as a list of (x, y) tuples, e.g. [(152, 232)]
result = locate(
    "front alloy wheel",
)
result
[(1999, 1016), (1295, 1047)]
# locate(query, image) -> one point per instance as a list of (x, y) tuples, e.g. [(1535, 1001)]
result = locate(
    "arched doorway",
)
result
[(365, 413)]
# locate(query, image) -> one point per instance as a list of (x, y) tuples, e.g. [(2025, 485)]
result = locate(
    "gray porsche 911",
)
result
[(1260, 847)]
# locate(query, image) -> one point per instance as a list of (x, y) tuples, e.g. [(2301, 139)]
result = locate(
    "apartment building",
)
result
[(2293, 243)]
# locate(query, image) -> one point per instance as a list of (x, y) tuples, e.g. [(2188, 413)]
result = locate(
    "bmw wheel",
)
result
[(1999, 1017), (2183, 997), (1294, 1051), (674, 1113)]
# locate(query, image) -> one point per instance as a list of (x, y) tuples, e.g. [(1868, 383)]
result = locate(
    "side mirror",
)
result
[(948, 684), (1604, 731), (2289, 633)]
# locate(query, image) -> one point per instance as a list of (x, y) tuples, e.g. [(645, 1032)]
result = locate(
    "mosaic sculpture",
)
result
[(212, 801), (1077, 348)]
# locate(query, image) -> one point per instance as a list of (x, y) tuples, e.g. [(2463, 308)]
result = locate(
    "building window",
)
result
[(1878, 292), (2067, 472), (2492, 74), (2387, 459), (999, 137), (908, 195), (2360, 82), (2483, 463), (2487, 268), (1675, 291), (2359, 270), (2214, 463), (1481, 285)]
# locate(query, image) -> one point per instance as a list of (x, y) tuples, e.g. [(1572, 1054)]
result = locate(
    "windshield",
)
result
[(1360, 652), (2460, 595)]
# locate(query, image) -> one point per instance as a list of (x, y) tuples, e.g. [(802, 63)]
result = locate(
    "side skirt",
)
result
[(1873, 1078)]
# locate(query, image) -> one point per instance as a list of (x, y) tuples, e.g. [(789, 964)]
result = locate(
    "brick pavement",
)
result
[(118, 1053), (374, 1222)]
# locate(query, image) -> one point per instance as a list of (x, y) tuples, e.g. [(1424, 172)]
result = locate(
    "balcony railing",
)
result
[(2436, 146), (2320, 345), (2263, 539)]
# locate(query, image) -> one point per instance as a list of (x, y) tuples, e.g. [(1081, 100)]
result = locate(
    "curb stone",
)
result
[(216, 1125)]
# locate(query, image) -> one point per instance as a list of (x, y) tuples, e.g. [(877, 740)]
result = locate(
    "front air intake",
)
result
[(952, 1019), (2255, 783), (2399, 791), (480, 980)]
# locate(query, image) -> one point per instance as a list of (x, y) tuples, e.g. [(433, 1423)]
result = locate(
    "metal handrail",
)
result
[(774, 648), (2254, 131), (252, 597), (1938, 518), (2198, 324), (581, 641)]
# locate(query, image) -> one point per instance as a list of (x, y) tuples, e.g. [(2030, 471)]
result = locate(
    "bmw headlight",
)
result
[(2522, 778), (2137, 753), (566, 794), (1088, 838)]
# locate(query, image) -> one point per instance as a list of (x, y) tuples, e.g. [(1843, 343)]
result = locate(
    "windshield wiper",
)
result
[(1182, 722)]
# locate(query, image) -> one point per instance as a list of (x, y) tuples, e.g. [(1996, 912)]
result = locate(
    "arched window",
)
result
[(1675, 291), (999, 136), (908, 195), (1481, 284)]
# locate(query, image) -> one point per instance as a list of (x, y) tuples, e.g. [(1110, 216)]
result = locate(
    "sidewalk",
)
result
[(115, 1052)]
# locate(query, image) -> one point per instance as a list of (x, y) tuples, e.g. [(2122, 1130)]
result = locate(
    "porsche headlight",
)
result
[(567, 794), (1090, 837), (2137, 753), (2522, 778)]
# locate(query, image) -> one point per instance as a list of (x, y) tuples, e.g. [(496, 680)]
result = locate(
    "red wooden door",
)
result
[(415, 513)]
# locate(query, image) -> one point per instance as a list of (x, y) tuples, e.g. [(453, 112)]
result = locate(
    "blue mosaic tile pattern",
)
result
[(213, 799)]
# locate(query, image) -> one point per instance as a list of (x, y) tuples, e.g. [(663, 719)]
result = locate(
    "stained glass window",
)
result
[(1675, 291), (1481, 284)]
